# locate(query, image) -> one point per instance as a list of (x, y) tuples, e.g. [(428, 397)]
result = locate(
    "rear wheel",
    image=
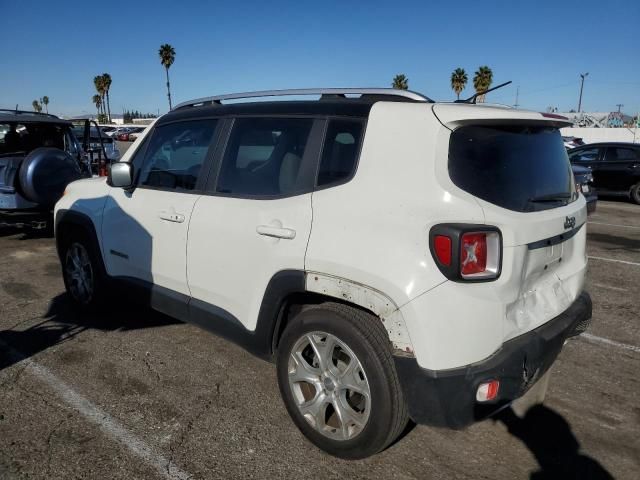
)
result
[(338, 381), (635, 193)]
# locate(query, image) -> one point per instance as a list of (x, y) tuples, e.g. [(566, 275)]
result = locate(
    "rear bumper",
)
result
[(447, 398)]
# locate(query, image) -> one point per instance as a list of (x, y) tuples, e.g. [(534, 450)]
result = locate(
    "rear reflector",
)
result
[(488, 391), (442, 247)]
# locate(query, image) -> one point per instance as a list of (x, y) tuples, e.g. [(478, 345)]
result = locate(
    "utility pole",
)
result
[(619, 105), (582, 76), (517, 94)]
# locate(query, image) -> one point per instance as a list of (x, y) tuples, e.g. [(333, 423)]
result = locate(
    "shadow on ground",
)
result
[(549, 437), (63, 321), (619, 242)]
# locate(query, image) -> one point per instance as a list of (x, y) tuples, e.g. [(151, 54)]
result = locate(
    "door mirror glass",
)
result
[(121, 175)]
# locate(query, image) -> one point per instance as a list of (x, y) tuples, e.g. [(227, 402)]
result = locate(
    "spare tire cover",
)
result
[(45, 173)]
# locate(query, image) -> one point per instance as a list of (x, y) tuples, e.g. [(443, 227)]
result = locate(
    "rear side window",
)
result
[(340, 151), (615, 154), (175, 155), (520, 168), (585, 155), (264, 156)]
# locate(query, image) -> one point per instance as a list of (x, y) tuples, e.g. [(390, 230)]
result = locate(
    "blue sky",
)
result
[(56, 48)]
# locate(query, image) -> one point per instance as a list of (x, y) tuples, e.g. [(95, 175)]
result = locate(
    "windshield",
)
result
[(521, 168)]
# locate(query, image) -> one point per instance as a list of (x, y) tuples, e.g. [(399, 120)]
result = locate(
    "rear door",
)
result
[(144, 231), (255, 218), (616, 171)]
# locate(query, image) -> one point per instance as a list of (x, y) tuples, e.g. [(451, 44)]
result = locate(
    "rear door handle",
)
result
[(172, 217), (276, 232)]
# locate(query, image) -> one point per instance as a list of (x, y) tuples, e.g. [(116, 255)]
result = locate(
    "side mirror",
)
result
[(121, 175)]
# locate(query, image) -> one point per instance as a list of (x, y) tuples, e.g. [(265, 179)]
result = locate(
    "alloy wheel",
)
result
[(79, 273), (329, 385)]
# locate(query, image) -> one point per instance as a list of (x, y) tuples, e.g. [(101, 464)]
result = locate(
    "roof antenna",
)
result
[(473, 98)]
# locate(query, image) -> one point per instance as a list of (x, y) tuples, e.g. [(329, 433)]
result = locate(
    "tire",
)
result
[(339, 391), (83, 271), (634, 193)]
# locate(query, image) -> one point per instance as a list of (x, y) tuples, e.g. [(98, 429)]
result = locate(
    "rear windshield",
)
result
[(521, 168)]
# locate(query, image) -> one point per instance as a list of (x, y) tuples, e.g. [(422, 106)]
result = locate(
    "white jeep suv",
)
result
[(397, 258)]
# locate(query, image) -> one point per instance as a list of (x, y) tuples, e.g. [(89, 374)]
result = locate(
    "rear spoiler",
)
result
[(454, 115)]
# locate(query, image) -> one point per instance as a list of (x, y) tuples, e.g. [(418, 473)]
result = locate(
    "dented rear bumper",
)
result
[(447, 398)]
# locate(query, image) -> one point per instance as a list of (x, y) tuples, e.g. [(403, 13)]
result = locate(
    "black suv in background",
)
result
[(39, 157), (615, 167)]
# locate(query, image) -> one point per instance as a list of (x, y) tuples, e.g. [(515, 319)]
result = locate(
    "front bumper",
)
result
[(447, 398)]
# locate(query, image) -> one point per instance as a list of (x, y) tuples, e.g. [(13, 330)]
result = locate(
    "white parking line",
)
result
[(613, 343), (106, 422), (626, 262), (613, 225), (618, 289)]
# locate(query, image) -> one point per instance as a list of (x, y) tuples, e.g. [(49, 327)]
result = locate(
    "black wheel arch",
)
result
[(69, 222)]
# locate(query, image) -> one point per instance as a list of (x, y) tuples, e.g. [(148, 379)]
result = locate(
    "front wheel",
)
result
[(338, 381), (82, 273)]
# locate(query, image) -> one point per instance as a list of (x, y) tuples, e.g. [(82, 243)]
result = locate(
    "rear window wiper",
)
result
[(553, 197)]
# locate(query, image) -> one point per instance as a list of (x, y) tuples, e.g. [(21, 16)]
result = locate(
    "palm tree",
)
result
[(482, 81), (459, 81), (106, 82), (45, 102), (98, 82), (36, 106), (97, 101), (400, 82), (167, 57)]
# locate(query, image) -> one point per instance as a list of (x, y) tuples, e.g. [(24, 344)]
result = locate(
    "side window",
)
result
[(263, 156), (340, 151), (71, 146), (175, 155), (621, 154), (586, 155)]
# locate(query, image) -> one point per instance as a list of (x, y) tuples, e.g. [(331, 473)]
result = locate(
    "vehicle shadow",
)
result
[(618, 242), (549, 437), (63, 321)]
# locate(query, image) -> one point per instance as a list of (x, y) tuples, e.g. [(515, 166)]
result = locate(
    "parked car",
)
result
[(572, 142), (107, 129), (116, 131), (39, 156), (97, 140), (439, 279), (584, 184), (615, 167), (130, 134)]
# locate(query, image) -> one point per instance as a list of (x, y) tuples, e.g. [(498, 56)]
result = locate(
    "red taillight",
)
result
[(464, 252), (442, 247), (473, 253), (488, 391)]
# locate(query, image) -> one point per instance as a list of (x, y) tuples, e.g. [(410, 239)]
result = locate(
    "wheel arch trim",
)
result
[(368, 298)]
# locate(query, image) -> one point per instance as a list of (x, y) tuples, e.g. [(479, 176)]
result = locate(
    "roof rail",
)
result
[(26, 112), (323, 92)]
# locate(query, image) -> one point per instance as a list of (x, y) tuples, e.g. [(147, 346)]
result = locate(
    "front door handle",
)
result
[(276, 232), (172, 217)]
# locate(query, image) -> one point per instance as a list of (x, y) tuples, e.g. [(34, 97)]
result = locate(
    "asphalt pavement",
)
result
[(133, 394)]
